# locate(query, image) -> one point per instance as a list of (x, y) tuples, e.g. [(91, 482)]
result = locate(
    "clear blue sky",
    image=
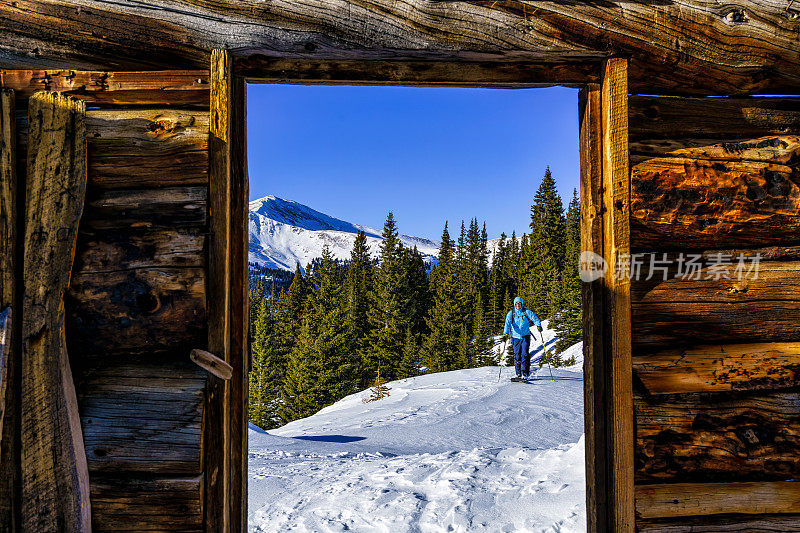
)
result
[(427, 154)]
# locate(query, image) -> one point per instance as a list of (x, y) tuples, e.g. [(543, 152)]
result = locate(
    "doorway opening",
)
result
[(377, 375)]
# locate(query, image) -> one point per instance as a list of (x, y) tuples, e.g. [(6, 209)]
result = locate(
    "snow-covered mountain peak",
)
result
[(285, 232)]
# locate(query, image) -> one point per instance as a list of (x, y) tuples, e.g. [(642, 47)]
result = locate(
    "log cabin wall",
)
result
[(716, 361), (137, 297)]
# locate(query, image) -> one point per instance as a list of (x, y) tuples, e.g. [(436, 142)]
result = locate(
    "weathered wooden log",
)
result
[(703, 311), (593, 305), (136, 310), (142, 416), (701, 437), (617, 298), (55, 483), (169, 208), (211, 363), (712, 118), (9, 214), (146, 504), (690, 204), (720, 368), (692, 499), (147, 148), (775, 149), (130, 148), (721, 524), (178, 87), (217, 412), (513, 74), (110, 250), (689, 48)]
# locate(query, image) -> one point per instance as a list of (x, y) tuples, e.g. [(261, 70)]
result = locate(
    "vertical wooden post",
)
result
[(240, 308), (55, 479), (216, 419), (617, 298), (225, 434), (9, 393), (594, 371)]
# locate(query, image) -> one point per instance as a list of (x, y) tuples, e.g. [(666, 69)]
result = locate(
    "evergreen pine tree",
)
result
[(440, 347), (567, 321), (323, 368), (546, 257), (388, 310), (409, 364)]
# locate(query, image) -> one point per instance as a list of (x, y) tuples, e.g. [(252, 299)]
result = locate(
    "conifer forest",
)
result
[(342, 327)]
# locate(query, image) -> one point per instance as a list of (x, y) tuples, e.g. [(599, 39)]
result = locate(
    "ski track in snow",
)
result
[(454, 451)]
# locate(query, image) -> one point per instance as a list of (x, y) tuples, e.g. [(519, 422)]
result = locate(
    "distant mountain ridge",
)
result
[(284, 232)]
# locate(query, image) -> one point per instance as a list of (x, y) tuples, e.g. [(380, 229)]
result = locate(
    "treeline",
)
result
[(341, 327)]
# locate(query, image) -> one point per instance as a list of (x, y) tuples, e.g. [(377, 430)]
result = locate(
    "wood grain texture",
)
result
[(130, 148), (167, 208), (146, 504), (211, 364), (177, 87), (616, 242), (775, 149), (720, 368), (240, 307), (689, 204), (594, 356), (728, 119), (217, 421), (263, 69), (702, 437), (722, 524), (9, 286), (687, 311), (690, 499), (143, 309), (689, 47), (142, 416), (147, 148), (55, 483), (108, 251)]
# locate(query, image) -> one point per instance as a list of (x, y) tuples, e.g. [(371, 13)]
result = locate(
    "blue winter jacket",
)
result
[(519, 323)]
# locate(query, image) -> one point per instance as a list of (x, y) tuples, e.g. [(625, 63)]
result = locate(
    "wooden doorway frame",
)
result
[(605, 230)]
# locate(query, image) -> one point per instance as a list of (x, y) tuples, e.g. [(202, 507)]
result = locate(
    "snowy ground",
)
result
[(454, 451)]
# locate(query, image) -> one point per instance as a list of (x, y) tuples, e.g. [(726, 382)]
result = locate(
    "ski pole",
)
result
[(544, 348)]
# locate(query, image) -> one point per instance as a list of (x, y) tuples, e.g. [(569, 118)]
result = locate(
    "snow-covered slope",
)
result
[(454, 451), (283, 232)]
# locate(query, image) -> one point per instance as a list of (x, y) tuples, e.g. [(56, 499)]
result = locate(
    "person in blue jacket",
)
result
[(518, 324)]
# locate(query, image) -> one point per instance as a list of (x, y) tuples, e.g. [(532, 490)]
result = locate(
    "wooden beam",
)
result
[(720, 368), (720, 437), (145, 148), (726, 119), (211, 363), (240, 306), (688, 311), (55, 482), (263, 69), (594, 358), (9, 288), (688, 47), (690, 204), (617, 300), (692, 499), (216, 424), (138, 504), (176, 87), (786, 523)]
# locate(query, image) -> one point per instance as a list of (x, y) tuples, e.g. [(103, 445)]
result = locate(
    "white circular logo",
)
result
[(592, 267)]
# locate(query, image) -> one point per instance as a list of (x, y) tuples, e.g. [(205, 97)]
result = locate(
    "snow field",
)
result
[(454, 451)]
